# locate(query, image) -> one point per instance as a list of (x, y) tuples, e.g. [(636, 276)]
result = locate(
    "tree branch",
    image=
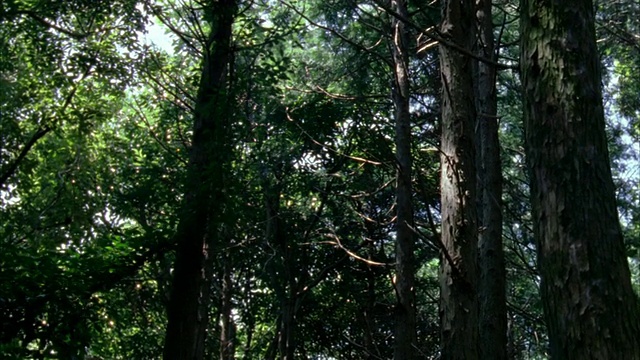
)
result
[(44, 22), (11, 168), (440, 38)]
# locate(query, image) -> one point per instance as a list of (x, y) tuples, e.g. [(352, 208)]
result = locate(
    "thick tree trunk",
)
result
[(188, 306), (288, 328), (405, 326), (590, 308), (458, 272), (491, 282)]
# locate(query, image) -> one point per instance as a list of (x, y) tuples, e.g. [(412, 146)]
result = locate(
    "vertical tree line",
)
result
[(458, 274), (492, 316), (405, 326), (199, 234)]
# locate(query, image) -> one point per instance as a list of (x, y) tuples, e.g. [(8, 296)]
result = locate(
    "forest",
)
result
[(319, 179)]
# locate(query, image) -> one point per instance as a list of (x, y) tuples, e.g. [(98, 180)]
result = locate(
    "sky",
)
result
[(158, 35)]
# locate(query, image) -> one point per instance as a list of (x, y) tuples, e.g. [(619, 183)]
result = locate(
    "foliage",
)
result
[(95, 131)]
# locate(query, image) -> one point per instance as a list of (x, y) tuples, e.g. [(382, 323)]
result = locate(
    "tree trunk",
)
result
[(491, 281), (589, 305), (367, 317), (458, 273), (188, 306), (249, 318), (227, 325), (405, 326), (283, 270), (288, 326)]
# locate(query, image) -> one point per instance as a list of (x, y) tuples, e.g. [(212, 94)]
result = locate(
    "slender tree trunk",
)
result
[(491, 282), (370, 300), (227, 325), (405, 326), (590, 308), (188, 306), (249, 318), (458, 272), (283, 269)]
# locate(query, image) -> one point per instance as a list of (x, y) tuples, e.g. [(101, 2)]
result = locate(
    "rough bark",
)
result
[(188, 306), (491, 282), (405, 318), (458, 273), (589, 305)]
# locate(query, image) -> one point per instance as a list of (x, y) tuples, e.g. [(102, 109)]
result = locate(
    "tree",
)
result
[(458, 274), (492, 276), (199, 231), (316, 182), (589, 304), (65, 68), (405, 326)]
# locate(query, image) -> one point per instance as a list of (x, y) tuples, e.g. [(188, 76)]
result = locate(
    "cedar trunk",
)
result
[(458, 272), (491, 282), (187, 311), (590, 308), (405, 326)]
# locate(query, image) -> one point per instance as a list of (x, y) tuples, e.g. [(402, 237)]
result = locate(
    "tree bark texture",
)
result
[(491, 282), (458, 273), (195, 237), (590, 308), (405, 318)]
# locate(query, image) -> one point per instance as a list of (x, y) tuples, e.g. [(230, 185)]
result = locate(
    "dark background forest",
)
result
[(319, 179)]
